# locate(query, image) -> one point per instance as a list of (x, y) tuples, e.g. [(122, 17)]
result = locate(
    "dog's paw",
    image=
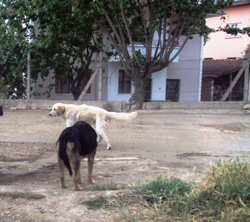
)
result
[(92, 182), (64, 187), (109, 148), (78, 188)]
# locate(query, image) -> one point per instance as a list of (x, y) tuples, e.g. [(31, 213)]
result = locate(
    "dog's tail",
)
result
[(122, 116), (62, 152)]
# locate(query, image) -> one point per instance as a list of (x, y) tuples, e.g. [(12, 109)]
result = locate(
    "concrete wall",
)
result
[(121, 106)]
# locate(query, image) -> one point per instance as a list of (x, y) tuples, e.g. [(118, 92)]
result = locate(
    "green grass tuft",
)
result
[(110, 186), (223, 195), (27, 196)]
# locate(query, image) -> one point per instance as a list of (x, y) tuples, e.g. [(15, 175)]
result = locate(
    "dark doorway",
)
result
[(172, 92), (147, 96)]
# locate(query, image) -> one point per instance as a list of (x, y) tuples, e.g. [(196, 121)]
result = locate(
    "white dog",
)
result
[(247, 108), (90, 114)]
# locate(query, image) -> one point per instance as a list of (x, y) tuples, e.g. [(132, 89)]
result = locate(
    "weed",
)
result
[(27, 196), (110, 186), (223, 195), (100, 202)]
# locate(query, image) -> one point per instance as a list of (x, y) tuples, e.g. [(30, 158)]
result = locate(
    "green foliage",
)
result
[(230, 179), (222, 195), (110, 186), (96, 203), (163, 189), (67, 41), (63, 36), (58, 35), (27, 196), (129, 23), (15, 34)]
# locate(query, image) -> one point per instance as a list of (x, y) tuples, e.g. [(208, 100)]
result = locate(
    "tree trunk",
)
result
[(137, 98), (76, 92)]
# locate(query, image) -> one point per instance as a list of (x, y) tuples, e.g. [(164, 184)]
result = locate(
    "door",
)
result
[(172, 92)]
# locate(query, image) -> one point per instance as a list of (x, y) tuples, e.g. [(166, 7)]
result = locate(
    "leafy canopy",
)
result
[(63, 40)]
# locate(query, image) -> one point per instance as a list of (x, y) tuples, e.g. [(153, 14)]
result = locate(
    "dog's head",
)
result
[(57, 110)]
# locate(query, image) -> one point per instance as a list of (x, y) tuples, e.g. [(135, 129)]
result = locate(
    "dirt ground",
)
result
[(181, 143)]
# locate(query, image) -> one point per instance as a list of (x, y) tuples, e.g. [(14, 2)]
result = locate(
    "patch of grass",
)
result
[(223, 195), (110, 186), (230, 179), (225, 192), (163, 189), (100, 202), (95, 204), (27, 196)]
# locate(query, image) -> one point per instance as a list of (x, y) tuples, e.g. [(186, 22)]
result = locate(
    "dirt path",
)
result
[(169, 142)]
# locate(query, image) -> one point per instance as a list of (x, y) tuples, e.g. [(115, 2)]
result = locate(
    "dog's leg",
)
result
[(61, 166), (90, 167), (79, 175), (101, 123), (99, 138), (103, 135), (76, 165)]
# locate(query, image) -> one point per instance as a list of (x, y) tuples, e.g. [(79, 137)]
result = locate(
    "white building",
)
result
[(179, 82)]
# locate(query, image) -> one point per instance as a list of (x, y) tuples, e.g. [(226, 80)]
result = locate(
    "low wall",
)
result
[(120, 106)]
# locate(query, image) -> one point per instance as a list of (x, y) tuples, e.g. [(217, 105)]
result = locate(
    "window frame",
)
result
[(63, 87), (85, 80), (237, 25), (124, 83)]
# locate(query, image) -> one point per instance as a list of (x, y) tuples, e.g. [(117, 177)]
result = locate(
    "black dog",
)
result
[(75, 143)]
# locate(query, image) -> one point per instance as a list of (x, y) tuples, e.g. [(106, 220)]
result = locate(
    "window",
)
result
[(234, 26), (85, 80), (124, 84), (62, 86)]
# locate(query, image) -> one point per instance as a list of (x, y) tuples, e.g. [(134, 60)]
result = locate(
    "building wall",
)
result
[(113, 95), (219, 45), (158, 87), (92, 96), (189, 70)]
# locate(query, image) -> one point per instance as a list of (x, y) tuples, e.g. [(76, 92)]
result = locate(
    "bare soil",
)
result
[(179, 143)]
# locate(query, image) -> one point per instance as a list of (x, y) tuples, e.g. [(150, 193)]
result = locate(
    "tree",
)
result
[(64, 41), (127, 23), (14, 41), (232, 30)]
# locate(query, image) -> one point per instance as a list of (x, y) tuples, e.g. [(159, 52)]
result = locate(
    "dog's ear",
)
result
[(61, 110)]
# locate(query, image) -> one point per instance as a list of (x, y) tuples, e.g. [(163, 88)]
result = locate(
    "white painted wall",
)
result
[(188, 70), (113, 73), (158, 90)]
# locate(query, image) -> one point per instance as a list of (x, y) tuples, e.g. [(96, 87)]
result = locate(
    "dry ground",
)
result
[(175, 142)]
